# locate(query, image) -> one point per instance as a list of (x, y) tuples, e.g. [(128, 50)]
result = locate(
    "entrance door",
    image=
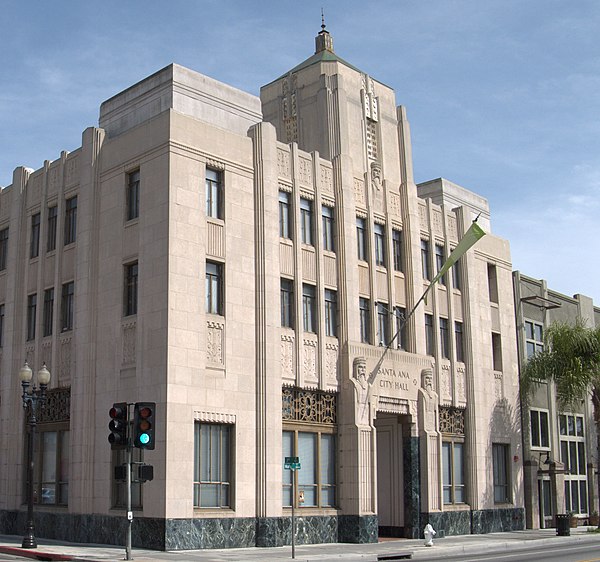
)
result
[(390, 476), (545, 497)]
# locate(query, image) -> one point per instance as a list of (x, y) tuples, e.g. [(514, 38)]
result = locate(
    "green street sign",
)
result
[(291, 463)]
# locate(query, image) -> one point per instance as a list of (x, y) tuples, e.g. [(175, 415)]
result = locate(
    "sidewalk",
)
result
[(464, 544)]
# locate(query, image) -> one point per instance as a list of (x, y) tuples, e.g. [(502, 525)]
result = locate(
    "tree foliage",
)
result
[(570, 359)]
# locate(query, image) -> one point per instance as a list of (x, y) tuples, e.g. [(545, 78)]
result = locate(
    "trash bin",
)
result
[(563, 525)]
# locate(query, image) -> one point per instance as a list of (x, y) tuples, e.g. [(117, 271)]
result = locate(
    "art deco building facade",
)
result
[(244, 263), (559, 446)]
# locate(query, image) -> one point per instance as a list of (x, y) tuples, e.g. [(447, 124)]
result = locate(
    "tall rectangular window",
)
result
[(67, 307), (328, 232), (130, 286), (308, 308), (285, 215), (330, 313), (31, 313), (379, 234), (492, 282), (1, 325), (51, 235), (397, 250), (48, 311), (3, 248), (425, 269), (316, 481), (306, 221), (214, 193), (429, 339), (440, 258), (212, 465), (365, 320), (456, 275), (34, 243), (573, 456), (497, 352), (534, 338), (459, 341), (133, 195), (540, 429), (361, 238), (51, 478), (444, 338), (501, 467), (70, 220), (383, 336), (287, 303), (400, 314), (453, 478), (214, 288)]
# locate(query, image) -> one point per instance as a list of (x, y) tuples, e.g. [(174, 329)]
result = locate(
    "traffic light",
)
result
[(118, 426), (143, 425)]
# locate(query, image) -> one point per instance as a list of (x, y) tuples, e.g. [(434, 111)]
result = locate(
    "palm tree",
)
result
[(571, 360)]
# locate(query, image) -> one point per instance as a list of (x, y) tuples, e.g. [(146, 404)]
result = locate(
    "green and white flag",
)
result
[(472, 235)]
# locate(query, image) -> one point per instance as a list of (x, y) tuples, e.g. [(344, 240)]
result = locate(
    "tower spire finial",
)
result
[(323, 41)]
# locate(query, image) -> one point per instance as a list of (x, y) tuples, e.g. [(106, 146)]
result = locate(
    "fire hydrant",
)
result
[(429, 533)]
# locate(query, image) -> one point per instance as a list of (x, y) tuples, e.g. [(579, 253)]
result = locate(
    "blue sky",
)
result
[(502, 95)]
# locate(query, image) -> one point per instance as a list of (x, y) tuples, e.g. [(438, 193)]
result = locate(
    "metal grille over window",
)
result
[(57, 407), (311, 406), (452, 420)]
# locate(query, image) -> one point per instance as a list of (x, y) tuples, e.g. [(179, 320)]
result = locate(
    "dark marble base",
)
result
[(192, 534), (412, 488), (476, 522), (359, 529), (498, 520), (451, 522)]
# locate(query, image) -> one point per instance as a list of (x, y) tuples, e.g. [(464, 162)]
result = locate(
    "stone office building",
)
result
[(559, 446), (244, 263)]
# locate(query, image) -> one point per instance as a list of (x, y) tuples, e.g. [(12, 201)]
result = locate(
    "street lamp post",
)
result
[(33, 399)]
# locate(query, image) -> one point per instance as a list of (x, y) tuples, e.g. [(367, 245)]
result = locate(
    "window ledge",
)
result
[(457, 507), (131, 222)]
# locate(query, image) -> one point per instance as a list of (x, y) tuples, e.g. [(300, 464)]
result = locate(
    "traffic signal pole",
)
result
[(129, 510), (125, 435)]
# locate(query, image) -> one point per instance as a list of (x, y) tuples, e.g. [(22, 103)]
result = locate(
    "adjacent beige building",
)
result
[(560, 459), (246, 264)]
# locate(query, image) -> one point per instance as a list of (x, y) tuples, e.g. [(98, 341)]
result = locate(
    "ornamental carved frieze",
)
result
[(310, 406), (452, 229), (394, 204), (309, 363), (214, 343), (129, 338), (65, 359), (436, 220), (326, 179), (72, 168), (283, 163), (305, 171), (287, 357), (359, 191), (331, 359)]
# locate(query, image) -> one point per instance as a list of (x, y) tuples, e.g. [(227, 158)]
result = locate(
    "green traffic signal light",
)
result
[(143, 425)]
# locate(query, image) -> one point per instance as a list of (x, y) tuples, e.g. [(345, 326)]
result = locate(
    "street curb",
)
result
[(34, 555)]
